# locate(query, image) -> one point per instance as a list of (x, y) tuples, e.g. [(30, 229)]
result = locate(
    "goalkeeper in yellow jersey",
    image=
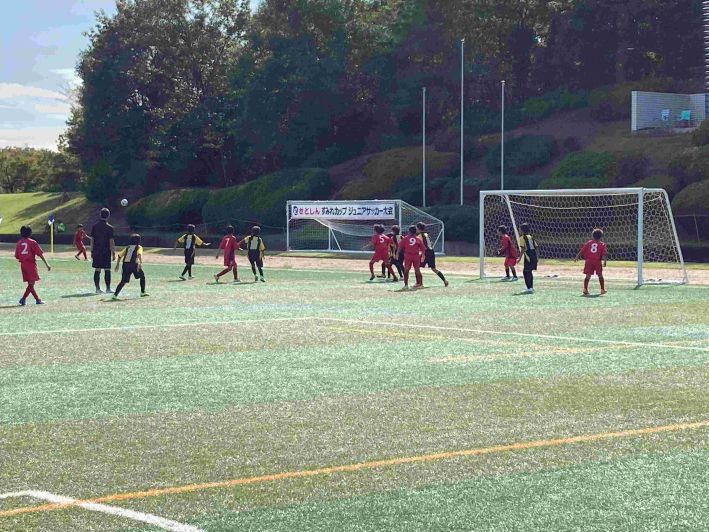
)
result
[(189, 241), (255, 248)]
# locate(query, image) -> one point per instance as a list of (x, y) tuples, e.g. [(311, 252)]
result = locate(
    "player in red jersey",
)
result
[(413, 248), (509, 251), (79, 238), (381, 244), (596, 254), (26, 252), (229, 245)]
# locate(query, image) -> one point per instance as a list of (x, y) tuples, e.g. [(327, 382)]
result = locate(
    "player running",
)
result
[(381, 244), (190, 241), (229, 245), (26, 252), (430, 255), (528, 247), (79, 238), (509, 250), (255, 248), (596, 254), (413, 248), (132, 258)]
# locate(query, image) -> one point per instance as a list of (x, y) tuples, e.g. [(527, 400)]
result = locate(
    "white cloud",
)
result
[(32, 137), (10, 91), (69, 74), (53, 109)]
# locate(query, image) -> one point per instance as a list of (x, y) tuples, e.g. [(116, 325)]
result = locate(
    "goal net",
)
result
[(637, 223), (346, 226)]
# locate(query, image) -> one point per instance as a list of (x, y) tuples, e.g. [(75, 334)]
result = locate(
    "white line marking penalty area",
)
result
[(160, 522)]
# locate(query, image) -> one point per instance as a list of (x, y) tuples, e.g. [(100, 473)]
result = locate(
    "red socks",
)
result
[(603, 283), (585, 284), (30, 290)]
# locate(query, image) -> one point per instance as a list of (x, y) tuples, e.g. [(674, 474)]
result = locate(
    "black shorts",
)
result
[(255, 257), (101, 259), (131, 270), (429, 259), (530, 262), (189, 256)]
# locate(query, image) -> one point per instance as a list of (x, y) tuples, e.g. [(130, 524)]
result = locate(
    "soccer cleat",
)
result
[(263, 280), (515, 279), (585, 292), (216, 278), (529, 291), (604, 291), (144, 294), (417, 286), (23, 301), (237, 281), (183, 277), (39, 302), (505, 279), (371, 278), (191, 277), (115, 298), (255, 278), (99, 291), (77, 258), (109, 291), (445, 283)]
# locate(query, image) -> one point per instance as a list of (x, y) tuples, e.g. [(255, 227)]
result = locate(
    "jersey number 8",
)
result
[(594, 248)]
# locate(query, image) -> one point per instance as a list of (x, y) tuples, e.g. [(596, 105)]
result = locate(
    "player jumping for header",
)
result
[(430, 255), (596, 254), (381, 244)]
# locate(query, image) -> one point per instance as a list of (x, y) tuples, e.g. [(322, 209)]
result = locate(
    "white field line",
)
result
[(517, 334), (155, 326), (160, 522)]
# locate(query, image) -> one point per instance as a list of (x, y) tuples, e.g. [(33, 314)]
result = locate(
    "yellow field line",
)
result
[(521, 446)]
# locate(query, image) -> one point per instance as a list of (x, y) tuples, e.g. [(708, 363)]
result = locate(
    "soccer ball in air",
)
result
[(124, 202)]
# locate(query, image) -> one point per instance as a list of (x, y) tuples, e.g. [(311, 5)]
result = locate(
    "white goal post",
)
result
[(346, 226), (637, 223)]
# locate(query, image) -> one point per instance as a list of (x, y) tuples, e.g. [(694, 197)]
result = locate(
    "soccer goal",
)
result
[(637, 222), (346, 226)]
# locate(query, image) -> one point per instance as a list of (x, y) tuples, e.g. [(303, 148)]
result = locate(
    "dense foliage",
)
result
[(206, 93), (28, 170)]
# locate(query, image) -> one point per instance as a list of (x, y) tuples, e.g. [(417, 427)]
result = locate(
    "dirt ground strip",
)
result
[(698, 274)]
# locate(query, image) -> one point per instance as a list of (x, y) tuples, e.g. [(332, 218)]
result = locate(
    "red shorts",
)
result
[(80, 247), (510, 261), (593, 267), (381, 256), (29, 271), (410, 261)]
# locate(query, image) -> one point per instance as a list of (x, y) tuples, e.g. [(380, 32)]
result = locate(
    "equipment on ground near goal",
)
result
[(637, 223), (346, 226)]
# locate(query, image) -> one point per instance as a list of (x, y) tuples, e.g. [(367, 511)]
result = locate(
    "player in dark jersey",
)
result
[(103, 250), (397, 254), (528, 247), (132, 258), (430, 256), (255, 249), (190, 241)]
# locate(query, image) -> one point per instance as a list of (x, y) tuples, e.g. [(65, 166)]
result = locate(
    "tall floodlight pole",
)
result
[(502, 140), (705, 13), (424, 146), (462, 89)]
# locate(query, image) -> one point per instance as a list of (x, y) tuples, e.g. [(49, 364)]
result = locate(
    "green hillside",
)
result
[(34, 208)]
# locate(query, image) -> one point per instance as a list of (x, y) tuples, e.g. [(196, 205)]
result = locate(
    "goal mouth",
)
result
[(347, 226), (637, 222)]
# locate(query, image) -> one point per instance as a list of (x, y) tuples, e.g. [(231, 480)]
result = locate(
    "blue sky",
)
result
[(39, 44)]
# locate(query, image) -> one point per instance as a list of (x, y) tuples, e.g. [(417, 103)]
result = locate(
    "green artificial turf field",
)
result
[(318, 401)]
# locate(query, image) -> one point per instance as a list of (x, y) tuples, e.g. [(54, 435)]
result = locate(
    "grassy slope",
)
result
[(33, 208)]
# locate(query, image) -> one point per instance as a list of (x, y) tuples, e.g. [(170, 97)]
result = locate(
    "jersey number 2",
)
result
[(25, 249)]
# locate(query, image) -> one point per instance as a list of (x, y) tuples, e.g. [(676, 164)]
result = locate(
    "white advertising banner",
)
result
[(343, 211)]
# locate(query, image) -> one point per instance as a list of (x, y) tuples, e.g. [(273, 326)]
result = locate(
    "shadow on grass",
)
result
[(16, 305), (85, 294)]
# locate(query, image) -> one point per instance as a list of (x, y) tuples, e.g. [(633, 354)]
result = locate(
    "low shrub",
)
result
[(169, 209), (583, 169), (522, 154), (693, 199), (461, 222)]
